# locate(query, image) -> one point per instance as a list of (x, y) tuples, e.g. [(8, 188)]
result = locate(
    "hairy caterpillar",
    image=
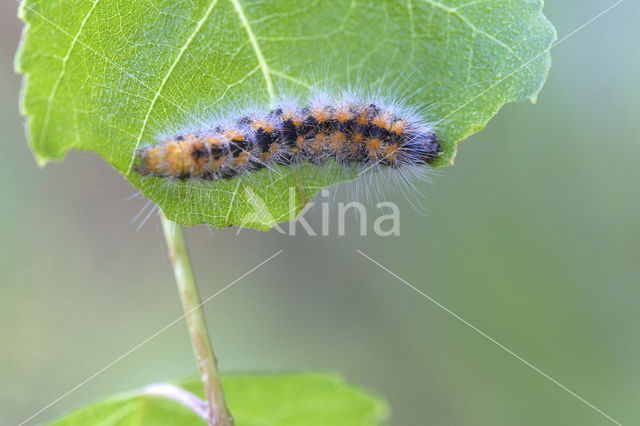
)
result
[(349, 130)]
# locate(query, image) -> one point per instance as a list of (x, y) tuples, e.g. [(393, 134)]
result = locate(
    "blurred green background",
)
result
[(533, 237)]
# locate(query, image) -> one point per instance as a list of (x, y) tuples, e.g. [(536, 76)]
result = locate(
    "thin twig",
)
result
[(218, 413)]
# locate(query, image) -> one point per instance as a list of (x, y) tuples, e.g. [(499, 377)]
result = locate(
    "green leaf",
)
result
[(286, 400), (108, 76)]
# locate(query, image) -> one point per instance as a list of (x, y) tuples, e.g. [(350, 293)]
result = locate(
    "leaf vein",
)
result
[(56, 84), (158, 92), (264, 66), (233, 199), (471, 25)]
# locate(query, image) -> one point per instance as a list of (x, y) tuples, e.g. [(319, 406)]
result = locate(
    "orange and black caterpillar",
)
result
[(353, 131)]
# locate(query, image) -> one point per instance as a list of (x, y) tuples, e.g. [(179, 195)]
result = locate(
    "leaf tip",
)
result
[(41, 160)]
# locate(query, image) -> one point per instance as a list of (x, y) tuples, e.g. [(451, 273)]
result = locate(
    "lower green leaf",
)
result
[(286, 400)]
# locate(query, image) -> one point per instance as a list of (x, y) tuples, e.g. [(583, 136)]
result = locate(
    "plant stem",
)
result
[(218, 413)]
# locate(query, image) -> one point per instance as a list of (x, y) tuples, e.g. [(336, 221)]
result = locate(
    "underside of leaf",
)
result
[(110, 77)]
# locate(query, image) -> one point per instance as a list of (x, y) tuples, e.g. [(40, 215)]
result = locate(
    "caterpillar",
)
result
[(350, 130)]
